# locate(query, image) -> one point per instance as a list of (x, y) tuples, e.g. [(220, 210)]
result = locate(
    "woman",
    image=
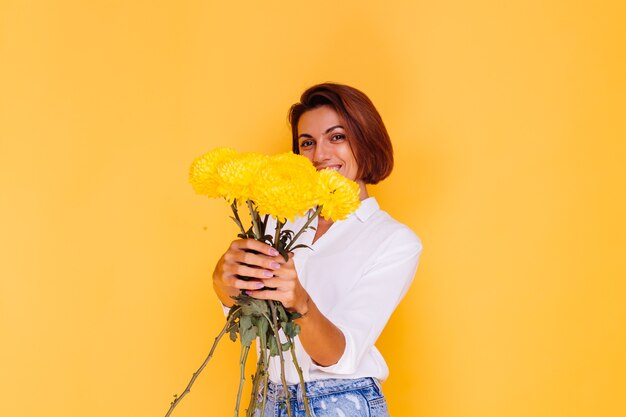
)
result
[(353, 277)]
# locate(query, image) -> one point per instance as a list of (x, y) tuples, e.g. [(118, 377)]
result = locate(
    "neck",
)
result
[(362, 190)]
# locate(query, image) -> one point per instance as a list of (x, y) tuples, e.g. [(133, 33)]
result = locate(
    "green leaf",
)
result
[(264, 223), (288, 328), (263, 326), (286, 346), (254, 307), (242, 300), (247, 330), (301, 246), (248, 336), (282, 314), (293, 315), (285, 237), (273, 347), (245, 322), (284, 253)]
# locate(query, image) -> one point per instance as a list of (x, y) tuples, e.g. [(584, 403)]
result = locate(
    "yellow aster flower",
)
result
[(238, 176), (338, 196), (203, 174), (286, 187)]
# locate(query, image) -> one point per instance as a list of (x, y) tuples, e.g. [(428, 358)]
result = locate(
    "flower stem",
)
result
[(279, 226), (265, 378), (261, 369), (300, 376), (242, 377), (229, 322), (236, 217), (317, 211), (264, 224), (282, 360), (255, 221)]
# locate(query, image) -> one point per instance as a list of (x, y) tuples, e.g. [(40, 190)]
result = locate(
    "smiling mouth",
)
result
[(333, 167)]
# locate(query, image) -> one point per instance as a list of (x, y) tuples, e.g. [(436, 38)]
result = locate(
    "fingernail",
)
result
[(274, 265), (259, 285), (273, 252), (268, 274)]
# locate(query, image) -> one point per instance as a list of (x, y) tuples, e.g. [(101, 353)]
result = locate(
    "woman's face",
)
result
[(322, 139)]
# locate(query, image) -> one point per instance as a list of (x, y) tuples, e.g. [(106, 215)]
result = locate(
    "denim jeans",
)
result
[(328, 397)]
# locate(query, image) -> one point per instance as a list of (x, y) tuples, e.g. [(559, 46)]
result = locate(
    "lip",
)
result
[(333, 167)]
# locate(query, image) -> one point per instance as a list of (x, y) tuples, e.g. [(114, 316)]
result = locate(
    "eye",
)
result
[(306, 143), (338, 137)]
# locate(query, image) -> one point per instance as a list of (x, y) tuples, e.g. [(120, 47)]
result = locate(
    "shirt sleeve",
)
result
[(225, 309), (363, 313)]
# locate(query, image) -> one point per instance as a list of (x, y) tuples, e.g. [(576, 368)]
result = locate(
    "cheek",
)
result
[(354, 167), (308, 154), (349, 157)]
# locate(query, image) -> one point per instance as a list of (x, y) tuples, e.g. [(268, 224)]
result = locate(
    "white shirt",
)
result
[(356, 273)]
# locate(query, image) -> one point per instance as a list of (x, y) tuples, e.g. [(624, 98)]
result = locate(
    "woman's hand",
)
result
[(321, 339), (264, 269), (284, 286), (244, 258)]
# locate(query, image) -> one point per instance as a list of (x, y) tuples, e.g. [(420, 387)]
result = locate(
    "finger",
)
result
[(275, 283), (234, 260), (286, 272), (242, 251), (285, 297), (266, 295), (261, 261), (255, 245), (251, 285), (247, 271)]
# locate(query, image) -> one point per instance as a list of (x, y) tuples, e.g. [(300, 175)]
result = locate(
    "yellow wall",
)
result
[(508, 123)]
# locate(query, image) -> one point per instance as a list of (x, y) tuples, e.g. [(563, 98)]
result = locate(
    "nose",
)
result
[(321, 152)]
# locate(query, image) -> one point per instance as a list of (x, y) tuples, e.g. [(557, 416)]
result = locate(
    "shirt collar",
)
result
[(368, 207)]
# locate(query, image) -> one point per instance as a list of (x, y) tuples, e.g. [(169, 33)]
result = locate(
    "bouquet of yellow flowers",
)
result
[(282, 186)]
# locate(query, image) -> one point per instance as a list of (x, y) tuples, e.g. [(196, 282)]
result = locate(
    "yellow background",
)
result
[(508, 119)]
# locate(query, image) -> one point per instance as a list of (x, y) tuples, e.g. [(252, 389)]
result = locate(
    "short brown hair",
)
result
[(367, 134)]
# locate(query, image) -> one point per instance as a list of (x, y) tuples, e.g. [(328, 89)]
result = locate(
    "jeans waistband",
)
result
[(275, 392)]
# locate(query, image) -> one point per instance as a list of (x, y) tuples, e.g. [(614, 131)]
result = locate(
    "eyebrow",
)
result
[(330, 129)]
